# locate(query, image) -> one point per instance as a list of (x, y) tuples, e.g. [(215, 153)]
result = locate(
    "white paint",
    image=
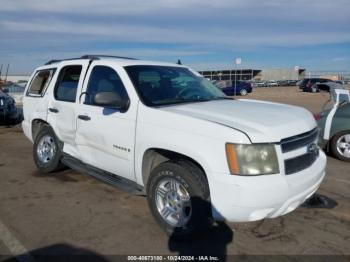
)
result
[(328, 125), (14, 245), (198, 131)]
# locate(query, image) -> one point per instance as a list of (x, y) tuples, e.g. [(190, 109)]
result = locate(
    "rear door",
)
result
[(63, 103)]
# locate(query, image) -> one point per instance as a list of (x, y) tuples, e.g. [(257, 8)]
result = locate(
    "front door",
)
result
[(106, 136)]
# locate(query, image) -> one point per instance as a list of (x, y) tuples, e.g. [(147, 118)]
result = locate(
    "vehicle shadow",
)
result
[(211, 241), (58, 252), (319, 201)]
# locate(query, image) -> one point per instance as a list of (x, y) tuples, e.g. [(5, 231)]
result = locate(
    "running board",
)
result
[(109, 178)]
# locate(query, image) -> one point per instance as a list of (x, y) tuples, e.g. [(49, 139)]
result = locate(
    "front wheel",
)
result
[(178, 196), (340, 146), (47, 151)]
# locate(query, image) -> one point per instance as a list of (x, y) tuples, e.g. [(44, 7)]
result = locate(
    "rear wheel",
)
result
[(47, 151), (340, 146), (243, 92), (178, 196), (314, 89)]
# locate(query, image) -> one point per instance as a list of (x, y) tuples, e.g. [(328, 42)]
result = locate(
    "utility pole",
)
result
[(7, 71), (296, 68), (238, 61), (235, 80)]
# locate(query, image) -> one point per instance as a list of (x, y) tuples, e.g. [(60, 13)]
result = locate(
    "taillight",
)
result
[(317, 116)]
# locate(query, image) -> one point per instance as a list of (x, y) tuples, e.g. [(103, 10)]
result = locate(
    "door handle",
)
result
[(53, 110), (84, 117)]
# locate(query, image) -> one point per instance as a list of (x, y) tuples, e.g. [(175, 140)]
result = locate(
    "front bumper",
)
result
[(250, 198)]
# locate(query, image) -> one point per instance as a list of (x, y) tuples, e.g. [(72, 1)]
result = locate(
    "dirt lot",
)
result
[(68, 212), (291, 95)]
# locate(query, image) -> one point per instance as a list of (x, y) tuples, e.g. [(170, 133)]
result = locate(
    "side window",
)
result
[(40, 82), (104, 79), (67, 83)]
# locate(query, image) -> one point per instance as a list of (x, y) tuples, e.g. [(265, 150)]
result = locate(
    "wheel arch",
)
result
[(37, 125), (338, 131), (152, 157)]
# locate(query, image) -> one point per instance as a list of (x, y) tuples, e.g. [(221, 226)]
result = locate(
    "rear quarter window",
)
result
[(40, 82)]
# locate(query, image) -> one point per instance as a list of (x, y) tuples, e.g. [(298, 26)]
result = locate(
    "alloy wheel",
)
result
[(46, 149), (343, 145), (173, 202)]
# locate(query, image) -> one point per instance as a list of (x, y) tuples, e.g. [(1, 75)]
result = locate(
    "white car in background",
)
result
[(16, 90), (271, 83), (162, 130)]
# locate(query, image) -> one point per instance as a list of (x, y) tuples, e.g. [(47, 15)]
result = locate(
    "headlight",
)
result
[(258, 159)]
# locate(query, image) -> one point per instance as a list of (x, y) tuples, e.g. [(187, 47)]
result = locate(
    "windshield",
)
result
[(164, 85)]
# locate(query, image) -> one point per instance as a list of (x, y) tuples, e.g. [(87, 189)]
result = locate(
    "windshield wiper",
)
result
[(175, 101), (223, 98), (181, 101)]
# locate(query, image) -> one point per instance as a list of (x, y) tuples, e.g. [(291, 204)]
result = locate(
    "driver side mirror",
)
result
[(110, 99), (5, 90)]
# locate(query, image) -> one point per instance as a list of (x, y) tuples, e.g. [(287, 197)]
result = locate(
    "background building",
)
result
[(281, 74), (244, 74), (333, 75), (15, 78), (255, 74)]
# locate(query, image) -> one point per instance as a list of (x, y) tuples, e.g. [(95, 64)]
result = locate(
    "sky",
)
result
[(312, 34)]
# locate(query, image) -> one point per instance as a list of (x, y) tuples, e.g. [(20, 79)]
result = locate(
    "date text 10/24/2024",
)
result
[(173, 258)]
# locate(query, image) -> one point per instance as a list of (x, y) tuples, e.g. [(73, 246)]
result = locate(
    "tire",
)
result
[(47, 151), (191, 185), (314, 89), (340, 146), (243, 92)]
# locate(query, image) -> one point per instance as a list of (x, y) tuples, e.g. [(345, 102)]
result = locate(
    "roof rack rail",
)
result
[(60, 60), (107, 56), (91, 57)]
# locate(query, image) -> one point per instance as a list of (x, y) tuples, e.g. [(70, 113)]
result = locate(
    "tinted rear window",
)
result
[(67, 83)]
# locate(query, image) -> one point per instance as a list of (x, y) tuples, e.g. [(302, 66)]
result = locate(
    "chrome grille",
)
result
[(298, 141)]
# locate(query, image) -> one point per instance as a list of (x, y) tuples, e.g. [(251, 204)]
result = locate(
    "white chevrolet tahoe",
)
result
[(162, 130)]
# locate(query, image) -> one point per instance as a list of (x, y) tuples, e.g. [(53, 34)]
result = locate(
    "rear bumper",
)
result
[(243, 199)]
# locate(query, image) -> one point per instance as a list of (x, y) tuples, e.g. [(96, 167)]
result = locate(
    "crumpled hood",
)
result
[(261, 121)]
